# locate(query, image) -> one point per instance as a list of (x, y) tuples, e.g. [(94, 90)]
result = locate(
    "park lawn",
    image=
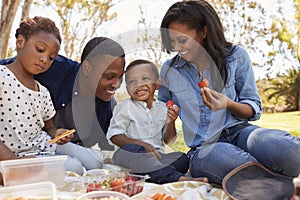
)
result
[(288, 121)]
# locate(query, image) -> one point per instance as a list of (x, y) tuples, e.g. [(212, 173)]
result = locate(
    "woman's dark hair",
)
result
[(141, 61), (196, 14), (32, 26), (99, 46)]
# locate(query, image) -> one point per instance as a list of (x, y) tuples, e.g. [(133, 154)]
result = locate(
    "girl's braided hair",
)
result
[(32, 26)]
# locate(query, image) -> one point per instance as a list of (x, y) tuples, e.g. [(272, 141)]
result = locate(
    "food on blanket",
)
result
[(66, 133), (110, 198), (203, 83), (170, 103), (129, 185), (162, 196)]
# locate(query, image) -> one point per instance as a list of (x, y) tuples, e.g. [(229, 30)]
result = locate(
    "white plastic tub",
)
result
[(36, 191), (32, 170)]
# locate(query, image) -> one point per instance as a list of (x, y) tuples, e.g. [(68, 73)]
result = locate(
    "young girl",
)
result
[(141, 126), (26, 124), (215, 119)]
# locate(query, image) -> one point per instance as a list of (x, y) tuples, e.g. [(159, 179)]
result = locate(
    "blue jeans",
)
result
[(275, 149), (169, 168)]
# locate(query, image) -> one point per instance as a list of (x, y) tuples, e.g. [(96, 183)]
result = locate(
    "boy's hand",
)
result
[(63, 136), (151, 150), (172, 113)]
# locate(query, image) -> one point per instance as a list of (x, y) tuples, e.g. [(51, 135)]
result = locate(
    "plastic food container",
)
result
[(128, 184), (103, 195), (36, 191), (32, 170)]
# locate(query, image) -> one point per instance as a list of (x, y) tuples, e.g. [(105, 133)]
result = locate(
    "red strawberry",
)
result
[(170, 103), (139, 188), (203, 83), (130, 180)]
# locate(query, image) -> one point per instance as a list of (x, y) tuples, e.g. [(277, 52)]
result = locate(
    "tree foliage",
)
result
[(286, 34), (79, 20), (287, 86)]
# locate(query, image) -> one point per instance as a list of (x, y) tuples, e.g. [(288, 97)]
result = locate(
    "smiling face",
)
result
[(186, 41), (141, 83), (102, 76), (37, 53)]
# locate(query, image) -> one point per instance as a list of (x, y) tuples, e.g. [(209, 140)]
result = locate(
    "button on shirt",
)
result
[(199, 124), (133, 119)]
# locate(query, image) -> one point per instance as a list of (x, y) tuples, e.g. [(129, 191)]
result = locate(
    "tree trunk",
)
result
[(26, 9), (8, 13)]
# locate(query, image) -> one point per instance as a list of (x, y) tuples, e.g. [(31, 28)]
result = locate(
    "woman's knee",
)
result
[(277, 150)]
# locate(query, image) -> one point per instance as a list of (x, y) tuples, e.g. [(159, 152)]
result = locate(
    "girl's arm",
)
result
[(53, 132), (6, 153), (50, 128)]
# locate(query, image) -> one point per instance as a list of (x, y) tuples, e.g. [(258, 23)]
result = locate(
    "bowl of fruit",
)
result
[(128, 184)]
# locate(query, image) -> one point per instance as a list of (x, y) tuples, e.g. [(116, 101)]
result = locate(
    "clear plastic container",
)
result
[(36, 191), (103, 195), (128, 184), (32, 170)]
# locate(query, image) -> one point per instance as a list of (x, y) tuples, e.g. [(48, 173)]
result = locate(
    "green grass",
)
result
[(288, 121)]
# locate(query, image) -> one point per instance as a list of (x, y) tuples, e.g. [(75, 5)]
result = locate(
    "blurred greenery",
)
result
[(288, 121)]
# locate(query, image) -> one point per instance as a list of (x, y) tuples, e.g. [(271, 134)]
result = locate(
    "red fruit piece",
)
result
[(131, 181), (170, 103), (137, 189), (117, 182), (203, 83), (130, 178)]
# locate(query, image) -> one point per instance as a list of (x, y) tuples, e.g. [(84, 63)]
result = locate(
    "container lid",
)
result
[(33, 190), (31, 161)]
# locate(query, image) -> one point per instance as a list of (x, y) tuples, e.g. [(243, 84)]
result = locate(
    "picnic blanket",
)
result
[(185, 190)]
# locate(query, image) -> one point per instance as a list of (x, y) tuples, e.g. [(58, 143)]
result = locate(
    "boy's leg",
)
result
[(135, 157)]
